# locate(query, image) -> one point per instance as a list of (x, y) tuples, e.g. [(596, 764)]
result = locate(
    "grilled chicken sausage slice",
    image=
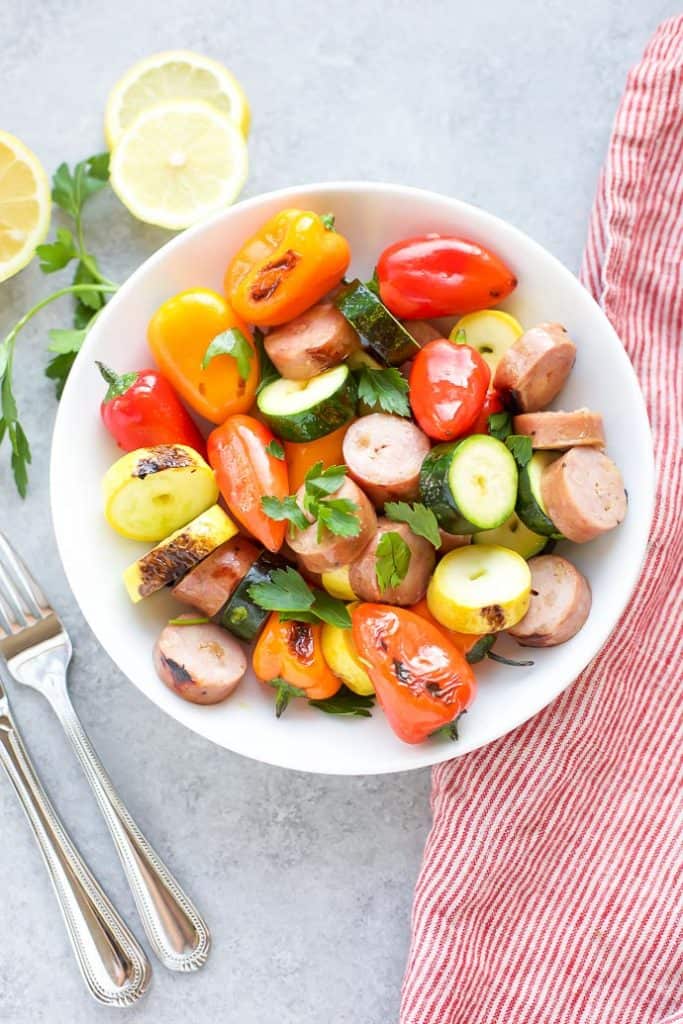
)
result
[(558, 430), (363, 574), (584, 494), (332, 551), (559, 605), (201, 663), (311, 343), (210, 584), (534, 368), (384, 455)]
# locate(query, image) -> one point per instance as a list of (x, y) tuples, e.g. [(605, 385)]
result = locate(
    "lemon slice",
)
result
[(24, 205), (177, 163), (173, 75)]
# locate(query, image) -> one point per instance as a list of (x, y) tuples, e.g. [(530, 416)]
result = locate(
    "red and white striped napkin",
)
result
[(551, 888)]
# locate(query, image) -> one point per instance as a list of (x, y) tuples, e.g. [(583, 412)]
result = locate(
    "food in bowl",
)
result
[(390, 488)]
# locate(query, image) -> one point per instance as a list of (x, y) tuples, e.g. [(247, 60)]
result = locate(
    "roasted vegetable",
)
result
[(151, 492), (291, 262), (166, 563)]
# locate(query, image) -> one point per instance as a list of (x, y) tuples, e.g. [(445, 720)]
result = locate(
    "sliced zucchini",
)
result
[(168, 562), (491, 332), (480, 589), (530, 506), (378, 328), (341, 655), (361, 358), (304, 410), (336, 583), (151, 492), (470, 485), (241, 616), (514, 535)]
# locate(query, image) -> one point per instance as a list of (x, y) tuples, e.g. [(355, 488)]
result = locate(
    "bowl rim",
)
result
[(433, 755)]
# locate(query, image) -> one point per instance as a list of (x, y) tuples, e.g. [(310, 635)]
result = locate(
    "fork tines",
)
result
[(22, 602)]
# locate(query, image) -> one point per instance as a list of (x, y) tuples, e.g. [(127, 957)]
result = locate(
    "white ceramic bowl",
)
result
[(371, 216)]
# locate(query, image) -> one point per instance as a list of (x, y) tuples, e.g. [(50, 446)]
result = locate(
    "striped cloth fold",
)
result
[(550, 891)]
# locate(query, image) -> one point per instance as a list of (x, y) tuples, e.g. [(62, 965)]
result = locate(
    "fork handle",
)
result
[(112, 963), (176, 931)]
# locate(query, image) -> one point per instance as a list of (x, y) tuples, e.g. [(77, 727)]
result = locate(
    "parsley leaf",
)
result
[(287, 509), (284, 693), (330, 609), (392, 560), (385, 389), (56, 255), (344, 702), (324, 481), (65, 340), (288, 593), (71, 191), (500, 424), (338, 515), (419, 518), (285, 591), (275, 449), (231, 343), (21, 456), (520, 446)]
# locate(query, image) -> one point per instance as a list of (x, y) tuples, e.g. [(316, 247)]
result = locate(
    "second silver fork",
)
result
[(38, 650)]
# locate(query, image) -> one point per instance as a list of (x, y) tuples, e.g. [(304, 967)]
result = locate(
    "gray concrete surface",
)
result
[(306, 881)]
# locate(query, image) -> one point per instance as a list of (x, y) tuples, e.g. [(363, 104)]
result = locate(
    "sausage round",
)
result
[(534, 368), (311, 343), (331, 551), (559, 605), (384, 455), (363, 576), (557, 430), (201, 663), (210, 584), (451, 541), (584, 494)]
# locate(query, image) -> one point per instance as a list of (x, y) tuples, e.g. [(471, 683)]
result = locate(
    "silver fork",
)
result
[(38, 650)]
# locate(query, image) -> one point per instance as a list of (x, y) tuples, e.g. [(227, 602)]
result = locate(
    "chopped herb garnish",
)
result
[(419, 518), (385, 389), (392, 560), (231, 343)]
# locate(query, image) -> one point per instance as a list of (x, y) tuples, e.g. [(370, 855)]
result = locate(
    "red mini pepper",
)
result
[(422, 680), (441, 275), (141, 409), (249, 464)]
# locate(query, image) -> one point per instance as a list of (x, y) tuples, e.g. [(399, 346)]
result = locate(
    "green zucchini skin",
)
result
[(240, 615), (378, 328), (435, 491), (324, 418), (528, 508)]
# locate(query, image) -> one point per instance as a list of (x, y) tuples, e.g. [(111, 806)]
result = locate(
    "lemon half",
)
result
[(179, 162), (24, 205), (173, 75)]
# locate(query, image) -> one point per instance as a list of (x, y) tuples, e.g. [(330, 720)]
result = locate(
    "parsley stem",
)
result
[(86, 259), (72, 289)]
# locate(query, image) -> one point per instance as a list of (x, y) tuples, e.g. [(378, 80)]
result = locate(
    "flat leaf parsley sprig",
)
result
[(71, 190)]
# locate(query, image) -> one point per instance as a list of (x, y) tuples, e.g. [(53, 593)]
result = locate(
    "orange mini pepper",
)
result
[(290, 655), (179, 334), (301, 455), (286, 267)]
